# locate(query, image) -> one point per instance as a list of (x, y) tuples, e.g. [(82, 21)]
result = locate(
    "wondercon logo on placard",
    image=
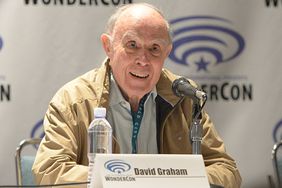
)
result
[(277, 132), (117, 166), (203, 41)]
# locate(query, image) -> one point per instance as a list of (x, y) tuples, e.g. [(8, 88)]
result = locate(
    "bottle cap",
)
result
[(100, 112)]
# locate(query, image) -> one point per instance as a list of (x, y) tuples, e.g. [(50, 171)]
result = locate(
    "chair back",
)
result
[(277, 161), (24, 162)]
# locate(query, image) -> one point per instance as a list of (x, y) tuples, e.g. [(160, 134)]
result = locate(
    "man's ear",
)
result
[(106, 41)]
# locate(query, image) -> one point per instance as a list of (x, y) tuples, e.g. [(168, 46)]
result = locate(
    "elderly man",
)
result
[(137, 43)]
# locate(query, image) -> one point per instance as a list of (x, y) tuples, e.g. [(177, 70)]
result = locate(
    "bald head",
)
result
[(139, 12)]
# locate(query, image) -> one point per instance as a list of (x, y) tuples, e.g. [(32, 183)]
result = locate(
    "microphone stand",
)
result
[(197, 129)]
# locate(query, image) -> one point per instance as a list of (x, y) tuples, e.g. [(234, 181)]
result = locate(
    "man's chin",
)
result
[(139, 92)]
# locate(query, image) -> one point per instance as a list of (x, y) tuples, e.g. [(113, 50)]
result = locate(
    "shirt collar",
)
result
[(116, 96)]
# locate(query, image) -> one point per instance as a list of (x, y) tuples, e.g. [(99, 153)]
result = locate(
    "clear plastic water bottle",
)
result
[(99, 139)]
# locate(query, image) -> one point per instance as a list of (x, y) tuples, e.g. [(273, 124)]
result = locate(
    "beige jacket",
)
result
[(62, 155)]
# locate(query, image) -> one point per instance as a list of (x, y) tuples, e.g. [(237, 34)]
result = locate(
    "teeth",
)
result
[(138, 75)]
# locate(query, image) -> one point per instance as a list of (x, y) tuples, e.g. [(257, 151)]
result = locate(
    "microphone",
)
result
[(182, 87)]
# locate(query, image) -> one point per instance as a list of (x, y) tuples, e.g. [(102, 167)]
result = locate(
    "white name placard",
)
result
[(147, 170)]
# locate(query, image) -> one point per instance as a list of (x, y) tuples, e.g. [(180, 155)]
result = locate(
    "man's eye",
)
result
[(155, 50), (131, 45)]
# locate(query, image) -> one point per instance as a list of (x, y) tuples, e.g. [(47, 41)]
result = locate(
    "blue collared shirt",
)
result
[(119, 116)]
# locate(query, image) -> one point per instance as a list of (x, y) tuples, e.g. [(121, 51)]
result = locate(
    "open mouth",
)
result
[(139, 75)]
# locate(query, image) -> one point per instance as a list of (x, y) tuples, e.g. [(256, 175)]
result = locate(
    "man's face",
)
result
[(138, 50)]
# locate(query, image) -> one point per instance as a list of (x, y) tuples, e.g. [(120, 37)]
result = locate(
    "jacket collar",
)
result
[(164, 87), (103, 77)]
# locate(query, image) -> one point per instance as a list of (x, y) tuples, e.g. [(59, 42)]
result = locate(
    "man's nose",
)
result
[(143, 58)]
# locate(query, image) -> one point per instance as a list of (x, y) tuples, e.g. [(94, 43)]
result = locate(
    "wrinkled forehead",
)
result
[(142, 29), (132, 35)]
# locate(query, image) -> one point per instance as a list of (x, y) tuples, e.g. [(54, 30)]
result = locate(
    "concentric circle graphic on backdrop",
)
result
[(277, 132), (204, 40), (37, 130), (1, 43)]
